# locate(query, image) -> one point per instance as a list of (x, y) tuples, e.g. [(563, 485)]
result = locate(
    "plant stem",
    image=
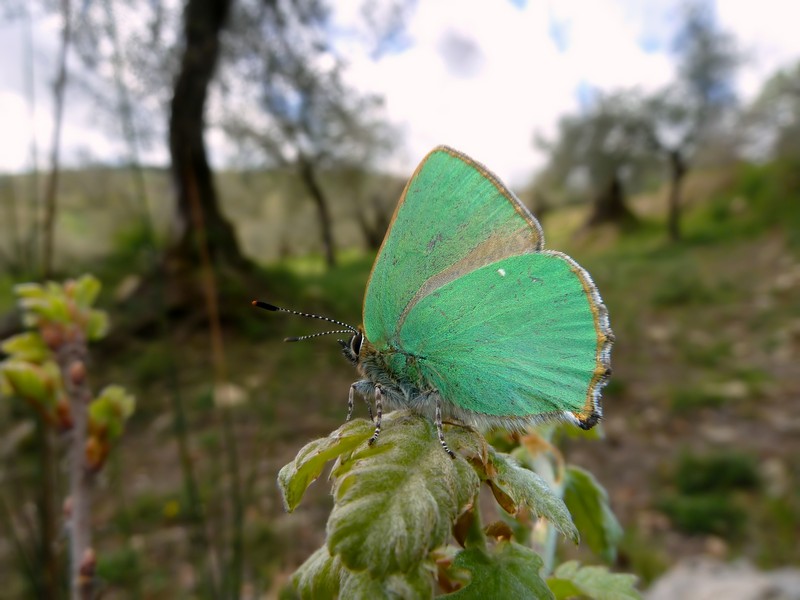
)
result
[(47, 511), (72, 357)]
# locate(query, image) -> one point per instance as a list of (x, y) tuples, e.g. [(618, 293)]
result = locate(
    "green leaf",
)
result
[(598, 583), (295, 477), (564, 589), (28, 381), (29, 290), (396, 501), (515, 486), (111, 409), (85, 290), (97, 325), (319, 576), (27, 346), (588, 503), (510, 571), (413, 585)]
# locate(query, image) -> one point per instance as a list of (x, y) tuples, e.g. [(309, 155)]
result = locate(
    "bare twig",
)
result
[(30, 91), (52, 182)]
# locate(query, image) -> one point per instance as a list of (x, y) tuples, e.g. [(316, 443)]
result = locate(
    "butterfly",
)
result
[(468, 318)]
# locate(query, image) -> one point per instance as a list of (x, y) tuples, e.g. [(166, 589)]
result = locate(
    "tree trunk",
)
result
[(677, 171), (374, 230), (203, 22), (609, 205), (309, 179)]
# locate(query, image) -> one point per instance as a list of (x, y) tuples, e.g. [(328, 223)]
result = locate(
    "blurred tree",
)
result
[(774, 117), (598, 153), (687, 112), (311, 120), (274, 55), (198, 218)]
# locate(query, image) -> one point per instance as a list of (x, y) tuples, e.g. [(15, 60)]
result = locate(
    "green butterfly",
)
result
[(468, 318)]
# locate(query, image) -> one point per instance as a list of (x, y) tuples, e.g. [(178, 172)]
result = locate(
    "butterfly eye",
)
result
[(355, 343)]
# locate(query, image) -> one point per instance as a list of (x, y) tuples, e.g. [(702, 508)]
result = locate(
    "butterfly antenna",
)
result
[(272, 307), (313, 335)]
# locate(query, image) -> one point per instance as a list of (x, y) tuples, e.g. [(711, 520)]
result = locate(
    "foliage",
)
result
[(46, 367), (607, 140), (717, 472), (773, 120), (588, 503), (400, 504), (715, 513), (571, 580), (705, 500), (61, 314)]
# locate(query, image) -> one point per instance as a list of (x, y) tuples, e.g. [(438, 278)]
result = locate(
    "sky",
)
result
[(483, 77)]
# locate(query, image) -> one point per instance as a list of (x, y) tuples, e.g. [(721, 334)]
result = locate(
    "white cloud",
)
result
[(524, 84), (516, 81), (16, 126)]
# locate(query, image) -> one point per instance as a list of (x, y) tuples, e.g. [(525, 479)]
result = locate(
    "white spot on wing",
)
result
[(502, 272)]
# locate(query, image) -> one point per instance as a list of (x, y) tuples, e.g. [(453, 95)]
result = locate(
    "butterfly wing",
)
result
[(453, 217), (524, 338), (501, 328)]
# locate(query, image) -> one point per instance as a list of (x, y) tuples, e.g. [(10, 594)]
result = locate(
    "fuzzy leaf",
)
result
[(85, 290), (598, 583), (588, 503), (515, 486), (396, 501), (417, 584), (29, 290), (96, 325), (28, 381), (27, 346), (52, 306), (319, 576), (510, 571), (111, 409), (295, 477)]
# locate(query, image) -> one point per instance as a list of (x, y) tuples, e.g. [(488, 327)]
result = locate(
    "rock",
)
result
[(703, 578)]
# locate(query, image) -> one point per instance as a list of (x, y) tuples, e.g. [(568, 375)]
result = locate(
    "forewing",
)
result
[(454, 217), (525, 336)]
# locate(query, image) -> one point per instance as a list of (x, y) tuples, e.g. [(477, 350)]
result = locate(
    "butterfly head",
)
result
[(352, 347)]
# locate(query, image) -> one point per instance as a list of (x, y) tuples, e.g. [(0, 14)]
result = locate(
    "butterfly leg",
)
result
[(439, 429), (369, 409), (379, 411), (350, 402), (364, 388)]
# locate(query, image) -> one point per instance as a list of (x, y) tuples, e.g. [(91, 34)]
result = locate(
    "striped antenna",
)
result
[(313, 335), (272, 307)]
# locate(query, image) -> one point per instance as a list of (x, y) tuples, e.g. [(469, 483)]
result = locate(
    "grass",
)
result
[(716, 472), (687, 399), (717, 514), (707, 496)]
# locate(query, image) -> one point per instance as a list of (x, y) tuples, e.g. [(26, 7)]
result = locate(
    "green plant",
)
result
[(46, 367), (716, 472), (406, 520), (685, 399), (706, 500), (705, 513)]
